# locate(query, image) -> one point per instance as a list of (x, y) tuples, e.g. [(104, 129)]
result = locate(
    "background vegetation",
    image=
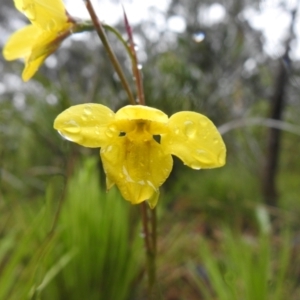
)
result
[(221, 236)]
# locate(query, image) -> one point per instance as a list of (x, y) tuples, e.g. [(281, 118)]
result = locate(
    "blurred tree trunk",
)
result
[(277, 105)]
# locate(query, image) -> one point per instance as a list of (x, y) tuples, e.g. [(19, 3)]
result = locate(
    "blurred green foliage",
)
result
[(92, 251)]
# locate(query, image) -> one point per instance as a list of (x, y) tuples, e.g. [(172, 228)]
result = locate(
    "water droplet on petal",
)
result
[(200, 151), (121, 175), (72, 127), (195, 166), (216, 141), (29, 11), (125, 172), (51, 25), (65, 137), (111, 131), (190, 129), (87, 110), (176, 130), (84, 118), (202, 157), (151, 184)]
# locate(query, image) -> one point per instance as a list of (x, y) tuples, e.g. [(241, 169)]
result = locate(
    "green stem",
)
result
[(111, 54)]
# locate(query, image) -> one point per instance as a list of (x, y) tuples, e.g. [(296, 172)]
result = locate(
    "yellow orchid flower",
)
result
[(50, 24), (132, 158)]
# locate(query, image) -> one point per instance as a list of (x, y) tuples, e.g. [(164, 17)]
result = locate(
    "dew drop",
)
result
[(121, 175), (65, 137), (195, 166), (202, 157), (216, 141), (151, 184), (84, 118), (200, 151), (51, 25), (111, 131), (87, 110), (29, 11), (190, 129), (140, 67), (72, 127)]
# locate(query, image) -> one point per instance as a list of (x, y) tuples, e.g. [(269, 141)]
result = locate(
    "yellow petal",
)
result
[(127, 116), (89, 125), (153, 200), (45, 44), (21, 42), (138, 168), (140, 112), (31, 67), (49, 15), (195, 140)]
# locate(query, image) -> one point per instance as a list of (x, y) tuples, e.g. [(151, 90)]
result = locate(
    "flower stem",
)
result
[(111, 54), (150, 244), (135, 65)]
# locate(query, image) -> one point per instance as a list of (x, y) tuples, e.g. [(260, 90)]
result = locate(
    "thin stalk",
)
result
[(111, 54), (145, 226), (154, 230), (135, 65), (150, 245)]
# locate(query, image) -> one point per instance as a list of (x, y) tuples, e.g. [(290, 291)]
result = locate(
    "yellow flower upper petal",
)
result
[(195, 140), (90, 125), (140, 112), (138, 168), (49, 15), (127, 117)]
